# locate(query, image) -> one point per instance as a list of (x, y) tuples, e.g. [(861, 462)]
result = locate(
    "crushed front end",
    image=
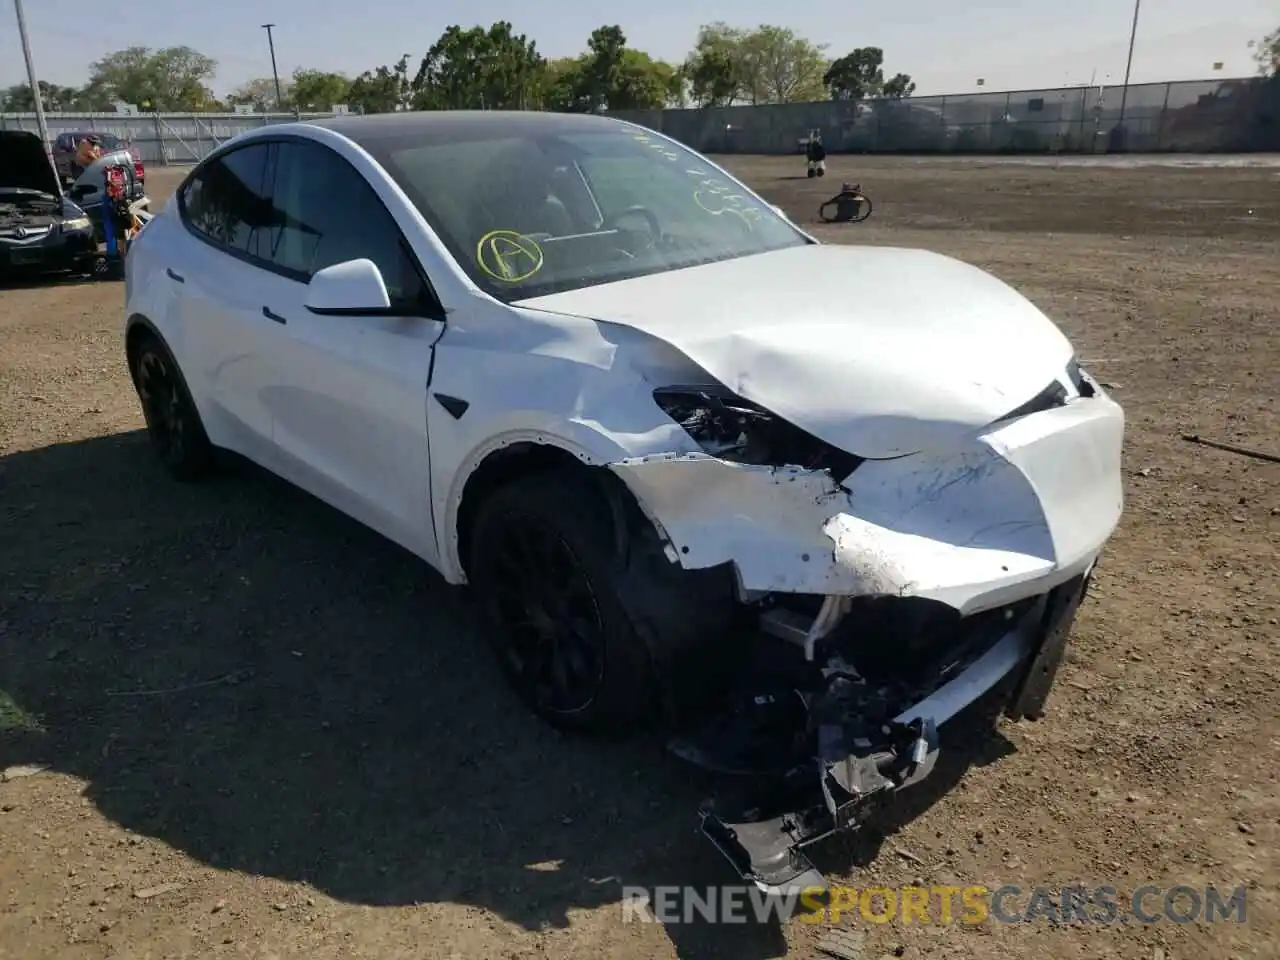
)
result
[(892, 594), (811, 748)]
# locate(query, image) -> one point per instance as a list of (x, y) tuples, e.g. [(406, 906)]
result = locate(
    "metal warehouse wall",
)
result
[(1194, 116), (1199, 116)]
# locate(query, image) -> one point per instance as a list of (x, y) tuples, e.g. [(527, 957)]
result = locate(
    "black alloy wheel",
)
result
[(552, 640)]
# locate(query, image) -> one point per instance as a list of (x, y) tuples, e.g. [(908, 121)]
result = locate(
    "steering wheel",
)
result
[(655, 228)]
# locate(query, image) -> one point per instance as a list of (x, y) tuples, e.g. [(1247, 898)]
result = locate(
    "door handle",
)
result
[(174, 276), (272, 315)]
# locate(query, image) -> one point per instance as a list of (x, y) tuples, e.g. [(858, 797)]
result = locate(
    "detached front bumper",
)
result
[(852, 775)]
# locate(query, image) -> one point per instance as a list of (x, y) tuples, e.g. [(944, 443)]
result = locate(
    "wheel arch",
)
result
[(519, 459), (138, 328)]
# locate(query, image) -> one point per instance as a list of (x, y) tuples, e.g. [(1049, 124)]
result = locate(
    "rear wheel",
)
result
[(583, 620), (173, 424)]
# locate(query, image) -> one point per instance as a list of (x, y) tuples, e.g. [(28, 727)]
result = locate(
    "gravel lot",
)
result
[(270, 733)]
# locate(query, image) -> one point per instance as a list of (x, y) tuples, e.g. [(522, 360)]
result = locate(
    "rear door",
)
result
[(220, 266)]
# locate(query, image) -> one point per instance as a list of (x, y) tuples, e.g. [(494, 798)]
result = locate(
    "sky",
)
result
[(945, 46)]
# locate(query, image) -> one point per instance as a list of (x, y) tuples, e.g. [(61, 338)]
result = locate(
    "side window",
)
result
[(226, 201), (327, 213)]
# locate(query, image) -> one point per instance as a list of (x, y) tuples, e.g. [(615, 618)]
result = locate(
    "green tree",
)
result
[(602, 67), (716, 68), (260, 92), (860, 74), (174, 78), (643, 83), (564, 86), (899, 86), (781, 67), (318, 89), (54, 98), (769, 64), (494, 69), (611, 75), (381, 90), (1267, 53), (857, 75)]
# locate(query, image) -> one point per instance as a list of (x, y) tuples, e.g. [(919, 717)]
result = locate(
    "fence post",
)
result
[(199, 138), (1084, 106), (164, 154), (1164, 109)]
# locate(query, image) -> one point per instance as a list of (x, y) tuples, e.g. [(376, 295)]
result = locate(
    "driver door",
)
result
[(348, 393)]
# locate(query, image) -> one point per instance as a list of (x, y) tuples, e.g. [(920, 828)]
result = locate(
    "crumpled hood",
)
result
[(881, 351)]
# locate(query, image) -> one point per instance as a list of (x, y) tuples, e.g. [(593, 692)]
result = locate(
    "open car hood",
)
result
[(880, 351), (25, 165)]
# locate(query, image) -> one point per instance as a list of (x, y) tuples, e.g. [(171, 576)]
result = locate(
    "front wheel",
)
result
[(595, 629), (173, 424)]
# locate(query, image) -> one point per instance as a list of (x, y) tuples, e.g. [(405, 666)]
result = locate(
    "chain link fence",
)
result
[(1203, 116), (1196, 116)]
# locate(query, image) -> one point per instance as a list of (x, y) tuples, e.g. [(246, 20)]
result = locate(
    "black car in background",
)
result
[(40, 229)]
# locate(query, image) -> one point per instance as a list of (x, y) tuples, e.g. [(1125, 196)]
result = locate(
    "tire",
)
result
[(641, 623), (811, 173), (173, 423)]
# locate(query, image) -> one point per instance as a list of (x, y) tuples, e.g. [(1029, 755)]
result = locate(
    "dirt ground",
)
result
[(270, 733)]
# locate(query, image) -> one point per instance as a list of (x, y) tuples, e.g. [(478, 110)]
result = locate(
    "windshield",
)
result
[(547, 212)]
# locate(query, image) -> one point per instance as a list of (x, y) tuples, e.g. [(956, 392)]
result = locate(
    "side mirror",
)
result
[(353, 287)]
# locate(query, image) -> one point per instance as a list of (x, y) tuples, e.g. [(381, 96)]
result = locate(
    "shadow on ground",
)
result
[(28, 281), (243, 673)]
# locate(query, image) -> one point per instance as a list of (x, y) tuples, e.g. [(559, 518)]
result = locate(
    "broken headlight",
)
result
[(1085, 385), (731, 428)]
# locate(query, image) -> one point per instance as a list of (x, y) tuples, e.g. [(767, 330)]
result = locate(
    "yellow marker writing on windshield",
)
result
[(508, 256)]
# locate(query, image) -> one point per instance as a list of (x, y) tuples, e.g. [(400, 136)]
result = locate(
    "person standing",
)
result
[(88, 150), (817, 155)]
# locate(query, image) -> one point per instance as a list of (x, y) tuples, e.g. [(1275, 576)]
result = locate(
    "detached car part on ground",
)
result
[(40, 229), (689, 477)]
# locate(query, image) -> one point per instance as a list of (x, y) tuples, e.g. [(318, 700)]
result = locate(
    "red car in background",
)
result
[(64, 153)]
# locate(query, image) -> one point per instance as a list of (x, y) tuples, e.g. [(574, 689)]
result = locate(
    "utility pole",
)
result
[(1133, 35), (274, 72), (31, 79)]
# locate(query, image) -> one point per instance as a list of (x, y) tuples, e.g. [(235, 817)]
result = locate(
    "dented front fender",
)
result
[(1014, 512)]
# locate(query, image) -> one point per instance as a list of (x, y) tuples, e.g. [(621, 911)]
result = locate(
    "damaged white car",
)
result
[(804, 501)]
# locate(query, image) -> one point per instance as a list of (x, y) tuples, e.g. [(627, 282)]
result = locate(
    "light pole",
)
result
[(1133, 35), (31, 79), (271, 44)]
